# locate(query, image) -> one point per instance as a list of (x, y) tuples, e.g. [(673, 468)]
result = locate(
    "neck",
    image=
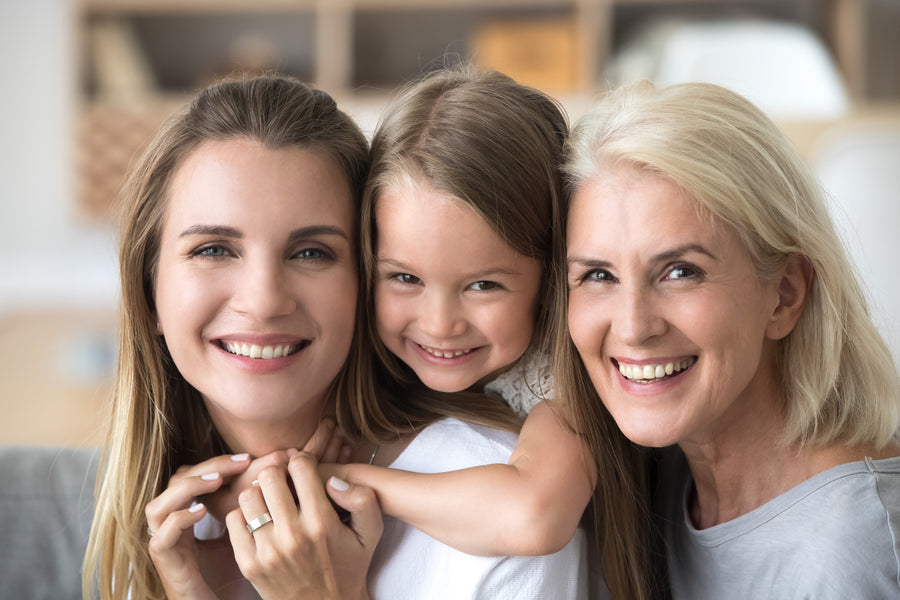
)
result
[(738, 472), (261, 437)]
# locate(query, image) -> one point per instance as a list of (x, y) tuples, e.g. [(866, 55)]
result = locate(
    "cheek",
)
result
[(581, 323)]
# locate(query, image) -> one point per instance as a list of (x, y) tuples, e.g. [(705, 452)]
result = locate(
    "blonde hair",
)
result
[(495, 145), (839, 381), (158, 421)]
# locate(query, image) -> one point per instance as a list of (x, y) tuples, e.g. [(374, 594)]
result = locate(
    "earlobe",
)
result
[(793, 289)]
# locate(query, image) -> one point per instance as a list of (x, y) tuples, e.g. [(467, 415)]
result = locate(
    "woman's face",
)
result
[(452, 299), (256, 286), (666, 310)]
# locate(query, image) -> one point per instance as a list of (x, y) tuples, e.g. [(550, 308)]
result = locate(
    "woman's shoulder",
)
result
[(451, 444)]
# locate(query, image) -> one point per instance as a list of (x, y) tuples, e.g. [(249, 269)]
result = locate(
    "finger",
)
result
[(173, 527), (179, 496), (304, 472), (361, 503), (227, 465), (321, 437), (255, 512), (332, 451)]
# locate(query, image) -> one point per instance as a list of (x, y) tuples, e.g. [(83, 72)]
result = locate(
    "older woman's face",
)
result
[(666, 310), (256, 286)]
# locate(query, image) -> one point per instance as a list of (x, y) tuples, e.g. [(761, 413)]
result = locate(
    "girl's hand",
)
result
[(326, 444), (306, 551), (171, 517)]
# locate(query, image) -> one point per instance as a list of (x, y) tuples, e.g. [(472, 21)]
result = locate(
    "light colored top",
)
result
[(409, 564), (834, 536), (528, 382)]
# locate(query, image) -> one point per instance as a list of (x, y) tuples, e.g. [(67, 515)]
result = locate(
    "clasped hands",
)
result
[(299, 546)]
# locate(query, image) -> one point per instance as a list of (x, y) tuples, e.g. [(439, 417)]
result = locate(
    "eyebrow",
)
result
[(480, 274), (666, 256), (297, 234)]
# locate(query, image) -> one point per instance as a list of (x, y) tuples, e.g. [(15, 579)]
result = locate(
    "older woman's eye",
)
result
[(683, 271), (597, 276)]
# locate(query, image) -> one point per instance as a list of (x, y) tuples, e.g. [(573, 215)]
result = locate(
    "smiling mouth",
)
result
[(652, 373), (444, 353), (263, 352)]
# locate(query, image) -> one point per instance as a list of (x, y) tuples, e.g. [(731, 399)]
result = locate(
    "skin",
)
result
[(447, 281), (257, 249), (447, 284), (655, 281)]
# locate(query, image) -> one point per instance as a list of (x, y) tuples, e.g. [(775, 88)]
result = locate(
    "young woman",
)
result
[(239, 286)]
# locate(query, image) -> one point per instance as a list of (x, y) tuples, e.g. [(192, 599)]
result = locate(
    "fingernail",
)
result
[(339, 484), (240, 457), (196, 507), (254, 482), (291, 452), (209, 476)]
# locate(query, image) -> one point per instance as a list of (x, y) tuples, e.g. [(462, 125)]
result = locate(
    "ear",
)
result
[(793, 289)]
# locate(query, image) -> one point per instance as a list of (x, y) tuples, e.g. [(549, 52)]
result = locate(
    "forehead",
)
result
[(242, 179)]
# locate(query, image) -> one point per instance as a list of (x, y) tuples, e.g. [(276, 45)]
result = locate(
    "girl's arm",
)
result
[(530, 506)]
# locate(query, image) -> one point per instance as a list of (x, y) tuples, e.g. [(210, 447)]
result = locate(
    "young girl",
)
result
[(458, 224)]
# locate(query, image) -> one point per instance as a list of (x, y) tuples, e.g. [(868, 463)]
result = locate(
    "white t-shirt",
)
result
[(409, 564)]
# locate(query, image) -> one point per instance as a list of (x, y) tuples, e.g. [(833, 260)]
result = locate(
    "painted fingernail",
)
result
[(240, 457), (339, 484), (196, 507), (209, 476)]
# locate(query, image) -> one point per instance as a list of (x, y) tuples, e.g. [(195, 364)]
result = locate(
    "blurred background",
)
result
[(86, 83)]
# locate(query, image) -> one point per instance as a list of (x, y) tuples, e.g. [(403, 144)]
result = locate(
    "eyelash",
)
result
[(303, 254), (693, 272), (404, 278)]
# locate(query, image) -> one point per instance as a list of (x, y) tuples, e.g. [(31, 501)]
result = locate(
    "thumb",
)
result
[(361, 503)]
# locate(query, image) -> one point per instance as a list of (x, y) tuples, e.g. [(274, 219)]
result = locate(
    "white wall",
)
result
[(48, 255)]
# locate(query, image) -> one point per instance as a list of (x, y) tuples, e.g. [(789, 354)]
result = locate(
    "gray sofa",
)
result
[(46, 506)]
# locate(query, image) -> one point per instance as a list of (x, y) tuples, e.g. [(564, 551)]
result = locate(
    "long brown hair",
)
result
[(158, 421)]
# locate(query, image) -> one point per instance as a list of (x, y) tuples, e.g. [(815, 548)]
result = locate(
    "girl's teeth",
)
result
[(441, 354), (650, 372), (261, 352)]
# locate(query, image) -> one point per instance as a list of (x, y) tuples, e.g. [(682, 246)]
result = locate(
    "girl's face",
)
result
[(256, 286), (452, 300), (667, 311)]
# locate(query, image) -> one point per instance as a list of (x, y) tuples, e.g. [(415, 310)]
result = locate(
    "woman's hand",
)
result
[(171, 517), (305, 551)]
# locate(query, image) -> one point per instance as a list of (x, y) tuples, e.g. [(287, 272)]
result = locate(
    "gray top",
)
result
[(834, 536)]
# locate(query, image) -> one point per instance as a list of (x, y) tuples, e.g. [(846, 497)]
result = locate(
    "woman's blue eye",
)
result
[(212, 251), (312, 254)]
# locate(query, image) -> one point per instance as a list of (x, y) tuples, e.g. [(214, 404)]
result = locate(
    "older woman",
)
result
[(713, 307)]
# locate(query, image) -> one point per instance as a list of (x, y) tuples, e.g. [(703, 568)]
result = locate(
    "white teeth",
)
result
[(442, 354), (651, 372), (261, 352)]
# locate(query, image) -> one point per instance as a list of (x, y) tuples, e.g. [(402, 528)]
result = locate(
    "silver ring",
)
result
[(150, 532), (259, 522)]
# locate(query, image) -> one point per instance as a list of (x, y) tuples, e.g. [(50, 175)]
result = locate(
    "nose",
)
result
[(263, 291), (636, 318), (441, 315)]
